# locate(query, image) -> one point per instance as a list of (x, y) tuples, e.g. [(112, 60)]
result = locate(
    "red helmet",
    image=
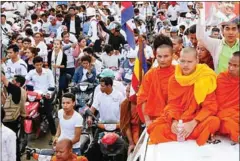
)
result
[(109, 138)]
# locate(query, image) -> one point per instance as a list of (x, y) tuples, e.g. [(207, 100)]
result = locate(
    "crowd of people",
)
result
[(193, 70)]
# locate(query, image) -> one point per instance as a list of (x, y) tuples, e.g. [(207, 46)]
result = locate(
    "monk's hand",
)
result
[(188, 128), (174, 127), (130, 148)]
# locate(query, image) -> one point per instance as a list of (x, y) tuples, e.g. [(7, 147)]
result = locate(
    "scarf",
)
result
[(203, 79), (58, 61)]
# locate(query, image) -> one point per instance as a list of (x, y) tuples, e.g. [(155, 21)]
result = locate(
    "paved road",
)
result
[(40, 143)]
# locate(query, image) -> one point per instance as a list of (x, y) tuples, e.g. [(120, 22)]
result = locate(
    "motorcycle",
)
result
[(107, 136), (34, 120), (84, 95)]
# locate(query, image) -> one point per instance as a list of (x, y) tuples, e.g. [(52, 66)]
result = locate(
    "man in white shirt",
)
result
[(107, 102), (39, 43), (22, 8), (117, 85), (8, 141), (92, 32), (45, 24), (173, 13), (67, 49), (14, 65), (6, 30), (42, 79), (35, 25), (70, 123)]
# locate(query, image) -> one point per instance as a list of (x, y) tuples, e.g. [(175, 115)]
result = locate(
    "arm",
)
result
[(14, 90), (77, 135), (76, 75), (104, 27), (209, 43)]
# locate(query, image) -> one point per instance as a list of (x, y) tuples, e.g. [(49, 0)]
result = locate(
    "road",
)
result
[(40, 143)]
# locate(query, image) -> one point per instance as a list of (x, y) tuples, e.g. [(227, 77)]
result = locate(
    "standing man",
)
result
[(14, 65), (73, 22), (221, 50), (14, 104)]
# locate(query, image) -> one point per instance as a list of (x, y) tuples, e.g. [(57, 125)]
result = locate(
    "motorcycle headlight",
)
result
[(83, 87), (110, 127), (31, 98)]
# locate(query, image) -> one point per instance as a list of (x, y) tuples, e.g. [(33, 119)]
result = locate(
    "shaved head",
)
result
[(64, 150), (66, 143), (233, 64), (188, 61), (189, 52)]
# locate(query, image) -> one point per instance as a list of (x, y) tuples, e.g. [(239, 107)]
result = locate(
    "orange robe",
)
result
[(129, 119), (182, 105), (154, 91), (228, 101)]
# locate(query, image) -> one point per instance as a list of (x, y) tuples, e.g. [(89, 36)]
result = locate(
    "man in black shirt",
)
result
[(115, 37)]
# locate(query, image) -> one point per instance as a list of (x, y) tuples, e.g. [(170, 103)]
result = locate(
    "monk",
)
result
[(153, 93), (228, 99), (130, 123), (191, 98)]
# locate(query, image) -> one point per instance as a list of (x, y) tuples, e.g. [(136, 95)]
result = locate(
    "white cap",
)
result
[(11, 20), (91, 12), (190, 4), (132, 54)]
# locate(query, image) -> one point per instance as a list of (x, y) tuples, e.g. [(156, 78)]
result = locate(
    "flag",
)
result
[(127, 14), (140, 69)]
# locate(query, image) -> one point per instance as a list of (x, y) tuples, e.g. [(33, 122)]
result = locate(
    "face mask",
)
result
[(187, 21)]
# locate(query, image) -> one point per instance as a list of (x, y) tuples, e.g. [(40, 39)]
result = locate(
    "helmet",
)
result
[(132, 54), (111, 143), (91, 12), (114, 25), (174, 29), (107, 73)]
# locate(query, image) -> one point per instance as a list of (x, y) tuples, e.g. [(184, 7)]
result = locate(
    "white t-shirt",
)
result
[(22, 7), (43, 50), (173, 12), (17, 68), (70, 58), (45, 27), (84, 77), (42, 82), (117, 85), (108, 106), (68, 126), (72, 27), (110, 61), (36, 27)]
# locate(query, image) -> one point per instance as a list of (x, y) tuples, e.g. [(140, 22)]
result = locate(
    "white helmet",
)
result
[(132, 54), (91, 12)]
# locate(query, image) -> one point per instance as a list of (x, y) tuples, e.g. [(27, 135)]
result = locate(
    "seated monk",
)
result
[(130, 123), (153, 93), (228, 99), (64, 152), (204, 55), (191, 98)]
